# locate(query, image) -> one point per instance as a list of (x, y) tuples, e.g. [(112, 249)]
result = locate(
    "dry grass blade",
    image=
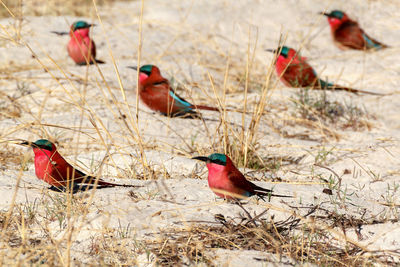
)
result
[(299, 239)]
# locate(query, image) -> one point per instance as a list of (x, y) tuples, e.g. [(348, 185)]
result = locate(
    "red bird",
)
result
[(347, 34), (226, 181), (294, 71), (52, 168), (156, 93), (80, 47)]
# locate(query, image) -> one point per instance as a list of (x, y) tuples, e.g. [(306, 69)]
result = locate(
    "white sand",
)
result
[(187, 40)]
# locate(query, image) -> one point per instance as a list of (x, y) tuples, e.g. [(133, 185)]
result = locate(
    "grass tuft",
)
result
[(300, 238), (314, 106)]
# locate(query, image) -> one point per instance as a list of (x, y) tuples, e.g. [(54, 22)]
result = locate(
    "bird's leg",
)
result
[(250, 218)]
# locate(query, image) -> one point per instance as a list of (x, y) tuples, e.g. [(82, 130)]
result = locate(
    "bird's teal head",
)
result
[(282, 50), (41, 143), (216, 158), (146, 69), (80, 24), (337, 14)]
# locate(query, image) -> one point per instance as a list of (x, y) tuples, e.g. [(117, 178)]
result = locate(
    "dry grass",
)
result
[(299, 238), (315, 106), (21, 8), (10, 157)]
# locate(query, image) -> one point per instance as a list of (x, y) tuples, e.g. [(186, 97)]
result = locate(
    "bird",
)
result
[(53, 169), (80, 47), (294, 71), (155, 91), (226, 181), (347, 34)]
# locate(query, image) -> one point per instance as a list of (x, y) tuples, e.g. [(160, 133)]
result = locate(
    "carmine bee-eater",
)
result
[(52, 168), (80, 47), (347, 34), (294, 71), (228, 182), (156, 93)]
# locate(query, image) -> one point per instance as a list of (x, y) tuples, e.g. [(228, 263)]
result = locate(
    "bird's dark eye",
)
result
[(219, 162), (45, 147), (146, 72)]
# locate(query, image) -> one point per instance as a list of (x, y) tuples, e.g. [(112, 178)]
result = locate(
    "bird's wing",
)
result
[(80, 174), (80, 177), (300, 74), (372, 43), (93, 49), (259, 189), (239, 181), (70, 173), (158, 96), (349, 34), (179, 100)]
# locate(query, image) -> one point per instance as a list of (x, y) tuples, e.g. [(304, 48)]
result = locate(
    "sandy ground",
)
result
[(47, 96)]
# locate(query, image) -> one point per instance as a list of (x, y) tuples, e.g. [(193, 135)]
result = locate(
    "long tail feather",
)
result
[(374, 44), (78, 188), (204, 107), (330, 86), (103, 183), (265, 194), (90, 180), (98, 61), (262, 192), (352, 90)]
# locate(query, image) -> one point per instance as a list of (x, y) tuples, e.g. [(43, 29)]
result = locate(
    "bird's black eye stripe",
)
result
[(219, 162), (146, 72), (43, 147)]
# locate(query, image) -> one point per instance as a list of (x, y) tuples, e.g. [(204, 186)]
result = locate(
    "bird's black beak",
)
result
[(205, 159), (132, 67), (271, 50), (324, 13), (26, 143)]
